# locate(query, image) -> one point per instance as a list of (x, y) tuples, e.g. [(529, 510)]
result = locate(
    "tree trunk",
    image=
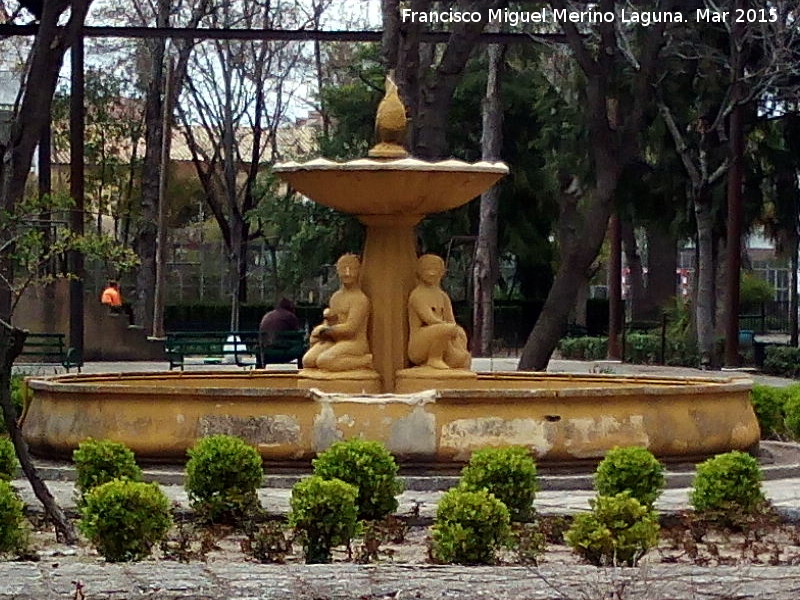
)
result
[(11, 342), (705, 317), (147, 228), (636, 296), (581, 229), (486, 266)]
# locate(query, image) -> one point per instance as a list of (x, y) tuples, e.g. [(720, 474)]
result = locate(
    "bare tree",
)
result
[(486, 267), (235, 100)]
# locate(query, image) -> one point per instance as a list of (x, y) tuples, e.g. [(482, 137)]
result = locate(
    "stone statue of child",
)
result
[(435, 339), (340, 343)]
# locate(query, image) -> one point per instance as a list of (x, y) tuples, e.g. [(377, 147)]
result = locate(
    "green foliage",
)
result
[(370, 467), (123, 519), (324, 513), (619, 530), (18, 391), (222, 476), (308, 234), (642, 348), (13, 533), (783, 361), (768, 404), (100, 461), (35, 246), (469, 527), (753, 292), (8, 460), (790, 410), (507, 473), (726, 486), (583, 348), (632, 469)]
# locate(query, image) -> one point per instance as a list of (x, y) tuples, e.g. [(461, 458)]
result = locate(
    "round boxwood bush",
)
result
[(100, 461), (8, 460), (370, 467), (768, 404), (324, 513), (727, 487), (469, 527), (790, 411), (633, 469), (223, 474), (123, 519), (508, 473), (619, 530), (13, 534)]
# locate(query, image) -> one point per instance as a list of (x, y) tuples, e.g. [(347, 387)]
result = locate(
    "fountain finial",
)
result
[(390, 124)]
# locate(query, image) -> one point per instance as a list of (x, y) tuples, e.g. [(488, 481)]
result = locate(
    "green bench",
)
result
[(214, 347), (49, 348), (287, 346)]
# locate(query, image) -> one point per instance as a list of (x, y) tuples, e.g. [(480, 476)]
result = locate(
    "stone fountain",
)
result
[(359, 379)]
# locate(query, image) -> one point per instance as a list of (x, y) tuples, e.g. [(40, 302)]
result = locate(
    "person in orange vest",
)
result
[(112, 298)]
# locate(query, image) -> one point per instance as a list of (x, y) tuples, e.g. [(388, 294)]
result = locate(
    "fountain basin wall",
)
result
[(561, 418)]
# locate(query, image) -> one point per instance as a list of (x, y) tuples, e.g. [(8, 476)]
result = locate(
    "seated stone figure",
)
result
[(435, 340), (340, 343)]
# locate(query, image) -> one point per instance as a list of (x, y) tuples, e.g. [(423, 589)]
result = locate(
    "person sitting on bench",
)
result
[(112, 298)]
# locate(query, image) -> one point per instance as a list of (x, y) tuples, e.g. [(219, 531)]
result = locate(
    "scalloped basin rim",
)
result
[(402, 164)]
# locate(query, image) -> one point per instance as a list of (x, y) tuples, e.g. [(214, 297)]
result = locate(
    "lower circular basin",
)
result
[(559, 417)]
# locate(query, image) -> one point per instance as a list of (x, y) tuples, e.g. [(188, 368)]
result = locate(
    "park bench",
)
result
[(49, 348), (288, 346), (242, 346)]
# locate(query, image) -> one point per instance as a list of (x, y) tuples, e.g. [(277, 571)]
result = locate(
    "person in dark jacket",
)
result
[(282, 318)]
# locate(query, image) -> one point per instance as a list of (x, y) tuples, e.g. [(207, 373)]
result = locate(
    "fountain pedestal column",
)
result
[(387, 277)]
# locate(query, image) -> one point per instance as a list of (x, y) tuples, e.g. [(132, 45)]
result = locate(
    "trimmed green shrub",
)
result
[(790, 411), (223, 474), (783, 361), (583, 348), (8, 460), (100, 461), (508, 473), (768, 404), (469, 527), (324, 513), (123, 519), (619, 530), (633, 469), (370, 467), (642, 348), (727, 487), (13, 533)]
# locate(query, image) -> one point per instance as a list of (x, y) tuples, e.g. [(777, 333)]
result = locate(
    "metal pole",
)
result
[(161, 234), (45, 187), (77, 188)]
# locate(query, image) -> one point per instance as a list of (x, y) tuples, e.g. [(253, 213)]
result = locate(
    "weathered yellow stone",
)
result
[(558, 417)]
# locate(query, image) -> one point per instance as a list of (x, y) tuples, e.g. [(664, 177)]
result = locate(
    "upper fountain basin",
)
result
[(406, 186)]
